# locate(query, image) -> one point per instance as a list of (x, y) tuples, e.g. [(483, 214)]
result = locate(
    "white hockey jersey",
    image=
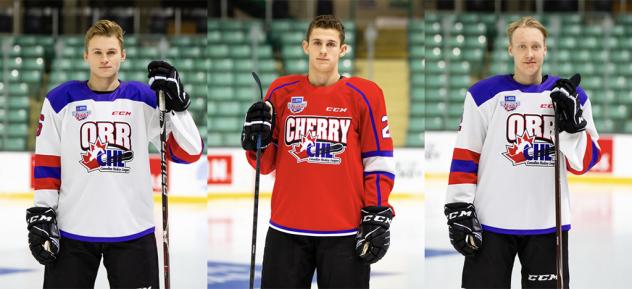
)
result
[(92, 161), (501, 162)]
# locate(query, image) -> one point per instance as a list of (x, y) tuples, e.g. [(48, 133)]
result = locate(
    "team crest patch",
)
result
[(81, 112), (531, 151), (106, 158), (311, 150), (296, 104), (510, 103)]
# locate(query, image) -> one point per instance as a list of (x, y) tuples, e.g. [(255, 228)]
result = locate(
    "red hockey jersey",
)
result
[(332, 153)]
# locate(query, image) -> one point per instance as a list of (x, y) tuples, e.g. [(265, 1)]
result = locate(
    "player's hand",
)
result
[(568, 108), (466, 234), (43, 234), (374, 236), (163, 76), (259, 120)]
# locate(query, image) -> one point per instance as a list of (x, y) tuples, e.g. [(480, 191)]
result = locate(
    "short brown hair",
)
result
[(104, 28), (327, 22), (526, 21)]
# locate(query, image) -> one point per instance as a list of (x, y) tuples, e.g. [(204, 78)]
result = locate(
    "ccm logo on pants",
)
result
[(545, 277)]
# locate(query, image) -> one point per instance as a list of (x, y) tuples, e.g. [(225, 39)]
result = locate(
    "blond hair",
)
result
[(327, 22), (526, 21), (104, 28)]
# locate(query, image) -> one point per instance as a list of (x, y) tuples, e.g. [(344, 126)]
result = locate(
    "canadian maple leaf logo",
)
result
[(515, 151), (90, 159), (300, 151)]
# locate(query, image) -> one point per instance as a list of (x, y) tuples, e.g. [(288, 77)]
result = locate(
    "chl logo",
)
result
[(106, 146), (530, 140), (312, 150)]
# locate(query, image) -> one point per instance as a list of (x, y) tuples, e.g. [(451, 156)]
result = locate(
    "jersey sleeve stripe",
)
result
[(591, 157), (457, 178), (375, 164), (377, 140), (386, 174), (179, 155), (465, 155), (47, 160), (377, 154), (464, 167), (269, 98), (46, 184), (40, 172)]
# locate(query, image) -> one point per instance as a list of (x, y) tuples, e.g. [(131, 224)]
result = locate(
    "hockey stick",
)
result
[(255, 213), (559, 238), (165, 200)]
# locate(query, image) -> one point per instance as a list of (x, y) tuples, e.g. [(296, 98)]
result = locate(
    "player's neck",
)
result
[(323, 78), (528, 79), (103, 84)]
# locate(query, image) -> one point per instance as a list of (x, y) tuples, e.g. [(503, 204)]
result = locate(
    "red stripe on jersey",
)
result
[(457, 178), (179, 152), (465, 155), (588, 162), (47, 161), (46, 184)]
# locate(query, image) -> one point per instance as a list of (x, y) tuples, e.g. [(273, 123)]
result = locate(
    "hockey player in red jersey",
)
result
[(93, 192), (327, 138), (500, 199)]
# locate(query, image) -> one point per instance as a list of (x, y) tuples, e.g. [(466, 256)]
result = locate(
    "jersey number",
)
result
[(385, 132)]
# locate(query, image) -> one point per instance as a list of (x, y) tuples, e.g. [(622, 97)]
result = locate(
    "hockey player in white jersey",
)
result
[(500, 198), (93, 191)]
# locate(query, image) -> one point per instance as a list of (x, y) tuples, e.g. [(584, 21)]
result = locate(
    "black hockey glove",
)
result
[(43, 234), (374, 236), (567, 106), (163, 76), (259, 119), (466, 234)]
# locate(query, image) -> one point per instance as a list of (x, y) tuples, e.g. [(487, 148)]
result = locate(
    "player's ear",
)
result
[(545, 49), (343, 49), (123, 55), (85, 55), (305, 44), (509, 50)]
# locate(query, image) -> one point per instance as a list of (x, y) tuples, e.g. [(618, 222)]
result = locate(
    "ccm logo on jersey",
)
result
[(545, 277), (107, 146), (316, 139), (530, 139), (122, 113), (336, 109)]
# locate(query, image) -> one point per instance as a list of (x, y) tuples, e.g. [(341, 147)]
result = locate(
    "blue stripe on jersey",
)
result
[(377, 140), (379, 191), (523, 232), (386, 174), (486, 89), (279, 87), (595, 156), (106, 239), (74, 90), (460, 166), (40, 172), (313, 231), (581, 94), (377, 154)]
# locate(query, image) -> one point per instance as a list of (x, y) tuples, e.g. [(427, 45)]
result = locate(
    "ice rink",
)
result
[(188, 249), (599, 246), (230, 227)]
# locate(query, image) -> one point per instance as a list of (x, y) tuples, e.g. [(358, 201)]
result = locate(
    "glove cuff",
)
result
[(381, 216)]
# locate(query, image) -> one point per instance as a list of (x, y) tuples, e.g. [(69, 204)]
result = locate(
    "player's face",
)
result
[(324, 49), (104, 56), (528, 50)]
